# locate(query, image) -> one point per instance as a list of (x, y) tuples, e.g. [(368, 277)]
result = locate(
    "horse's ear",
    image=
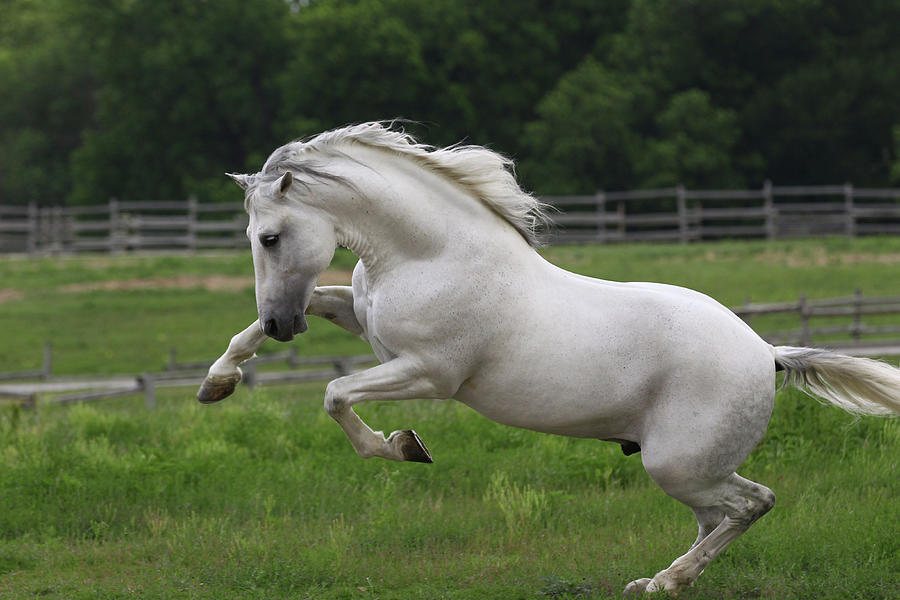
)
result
[(242, 180), (285, 182)]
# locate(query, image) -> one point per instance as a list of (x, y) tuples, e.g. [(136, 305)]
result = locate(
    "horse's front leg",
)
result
[(397, 379), (333, 302), (224, 374)]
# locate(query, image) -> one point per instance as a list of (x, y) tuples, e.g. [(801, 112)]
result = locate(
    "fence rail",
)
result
[(21, 387), (836, 323), (669, 214), (122, 226), (771, 212), (852, 335)]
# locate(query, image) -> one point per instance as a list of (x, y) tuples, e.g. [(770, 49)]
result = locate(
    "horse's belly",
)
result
[(556, 401)]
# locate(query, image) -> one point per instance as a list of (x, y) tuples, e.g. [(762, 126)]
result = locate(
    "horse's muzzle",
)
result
[(284, 330)]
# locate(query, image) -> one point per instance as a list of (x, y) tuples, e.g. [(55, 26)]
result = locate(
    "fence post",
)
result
[(849, 212), (33, 228), (747, 317), (769, 210), (856, 330), (681, 202), (804, 321), (248, 376), (240, 237), (620, 212), (173, 359), (43, 237), (192, 223), (48, 361), (115, 235), (342, 368), (600, 204), (148, 382), (58, 229)]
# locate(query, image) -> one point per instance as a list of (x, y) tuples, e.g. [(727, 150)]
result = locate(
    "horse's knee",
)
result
[(335, 400), (365, 452)]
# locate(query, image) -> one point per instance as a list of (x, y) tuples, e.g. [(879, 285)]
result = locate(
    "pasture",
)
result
[(262, 496)]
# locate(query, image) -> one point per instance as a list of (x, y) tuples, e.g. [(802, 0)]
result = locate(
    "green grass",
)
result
[(262, 496)]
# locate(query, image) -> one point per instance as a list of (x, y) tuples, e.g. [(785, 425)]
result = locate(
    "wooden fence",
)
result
[(842, 324), (771, 212), (854, 325), (671, 214), (21, 387), (122, 226)]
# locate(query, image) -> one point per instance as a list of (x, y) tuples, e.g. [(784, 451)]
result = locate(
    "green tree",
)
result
[(585, 137), (813, 83), (351, 62), (470, 70), (46, 85), (141, 99), (694, 147), (187, 91)]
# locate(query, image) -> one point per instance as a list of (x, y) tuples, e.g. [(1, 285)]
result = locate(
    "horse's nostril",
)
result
[(271, 328)]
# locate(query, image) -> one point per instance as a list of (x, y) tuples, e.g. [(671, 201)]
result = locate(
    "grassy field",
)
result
[(262, 496)]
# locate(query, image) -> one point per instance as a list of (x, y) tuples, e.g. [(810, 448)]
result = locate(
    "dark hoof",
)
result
[(213, 390), (412, 448)]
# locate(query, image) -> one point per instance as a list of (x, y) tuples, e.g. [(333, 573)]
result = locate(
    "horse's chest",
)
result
[(382, 353), (362, 306)]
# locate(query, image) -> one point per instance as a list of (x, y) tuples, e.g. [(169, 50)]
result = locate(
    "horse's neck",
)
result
[(407, 213)]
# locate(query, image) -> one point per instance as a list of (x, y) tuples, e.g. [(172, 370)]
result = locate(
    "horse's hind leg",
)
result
[(707, 520), (740, 500), (696, 440), (399, 379)]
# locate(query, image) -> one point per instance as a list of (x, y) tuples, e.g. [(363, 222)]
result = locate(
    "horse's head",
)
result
[(292, 244)]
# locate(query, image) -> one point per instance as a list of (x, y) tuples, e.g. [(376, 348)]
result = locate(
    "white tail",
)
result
[(858, 385)]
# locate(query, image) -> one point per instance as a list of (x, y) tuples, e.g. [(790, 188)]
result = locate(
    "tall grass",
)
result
[(262, 496)]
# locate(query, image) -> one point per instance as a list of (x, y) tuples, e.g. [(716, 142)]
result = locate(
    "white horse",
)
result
[(456, 303)]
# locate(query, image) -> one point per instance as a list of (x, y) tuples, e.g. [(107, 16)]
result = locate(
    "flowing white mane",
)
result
[(487, 174)]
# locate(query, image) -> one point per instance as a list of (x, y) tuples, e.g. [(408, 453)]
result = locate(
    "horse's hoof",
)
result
[(637, 587), (412, 448), (214, 389)]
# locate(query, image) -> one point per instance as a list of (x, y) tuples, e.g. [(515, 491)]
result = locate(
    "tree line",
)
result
[(155, 99)]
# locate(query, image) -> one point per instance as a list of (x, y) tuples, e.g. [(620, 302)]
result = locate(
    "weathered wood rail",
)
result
[(683, 215), (851, 335), (67, 390), (122, 226), (669, 214)]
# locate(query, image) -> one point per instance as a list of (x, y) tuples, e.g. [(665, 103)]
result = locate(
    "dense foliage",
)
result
[(148, 100)]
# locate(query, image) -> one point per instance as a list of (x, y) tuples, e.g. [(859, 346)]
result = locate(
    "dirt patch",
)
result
[(211, 283), (855, 258), (335, 277), (9, 295), (819, 257)]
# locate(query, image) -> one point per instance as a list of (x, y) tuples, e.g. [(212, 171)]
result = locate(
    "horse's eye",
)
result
[(268, 240)]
